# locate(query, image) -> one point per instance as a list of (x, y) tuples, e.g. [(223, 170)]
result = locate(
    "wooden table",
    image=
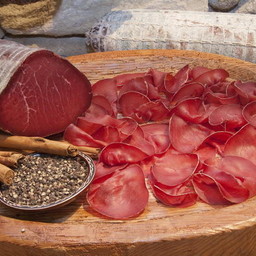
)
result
[(75, 230)]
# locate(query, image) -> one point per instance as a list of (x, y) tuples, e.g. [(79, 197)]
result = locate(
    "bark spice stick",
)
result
[(6, 174), (42, 145)]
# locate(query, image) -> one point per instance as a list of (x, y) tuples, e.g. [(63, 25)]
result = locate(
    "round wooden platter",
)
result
[(197, 230)]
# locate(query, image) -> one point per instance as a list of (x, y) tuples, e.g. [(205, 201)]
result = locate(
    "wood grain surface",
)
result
[(74, 230)]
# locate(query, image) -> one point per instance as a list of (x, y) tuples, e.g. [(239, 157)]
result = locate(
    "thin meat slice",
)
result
[(158, 77), (78, 137), (103, 102), (186, 137), (41, 93), (158, 136), (242, 169), (207, 189), (124, 195), (106, 88), (197, 71), (130, 101), (151, 111), (231, 188), (194, 110), (230, 115), (212, 77), (174, 169), (246, 91), (174, 83), (124, 78), (121, 153), (104, 171), (217, 141), (249, 113), (242, 143), (188, 91), (182, 195)]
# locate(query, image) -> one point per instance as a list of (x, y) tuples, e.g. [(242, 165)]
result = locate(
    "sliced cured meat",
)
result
[(41, 93), (212, 77), (186, 137), (246, 90), (231, 188), (249, 113), (104, 171), (137, 84), (173, 83), (180, 196), (197, 71), (194, 110), (151, 111), (104, 103), (130, 101), (193, 90), (137, 140), (78, 137), (106, 88), (124, 195), (230, 115), (217, 140), (242, 143), (158, 77), (121, 153), (174, 169), (158, 136), (122, 79), (207, 189), (242, 169)]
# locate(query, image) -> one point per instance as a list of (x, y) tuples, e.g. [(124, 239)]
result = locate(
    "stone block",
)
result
[(78, 16), (62, 46)]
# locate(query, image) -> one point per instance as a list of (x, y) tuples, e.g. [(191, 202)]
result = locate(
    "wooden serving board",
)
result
[(197, 230)]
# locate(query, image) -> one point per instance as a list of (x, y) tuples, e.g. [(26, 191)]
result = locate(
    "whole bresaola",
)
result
[(40, 92)]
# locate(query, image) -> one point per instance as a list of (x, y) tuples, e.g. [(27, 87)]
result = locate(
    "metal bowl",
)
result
[(66, 200)]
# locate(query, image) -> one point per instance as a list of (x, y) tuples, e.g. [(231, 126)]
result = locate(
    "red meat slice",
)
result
[(242, 169), (186, 137), (230, 115), (103, 102), (231, 188), (78, 137), (158, 135), (124, 195), (103, 171), (192, 90), (212, 77), (194, 110), (121, 153), (174, 169), (106, 88), (174, 83), (180, 196), (242, 143), (41, 93), (249, 113), (207, 189), (122, 79), (197, 71), (130, 101), (246, 90)]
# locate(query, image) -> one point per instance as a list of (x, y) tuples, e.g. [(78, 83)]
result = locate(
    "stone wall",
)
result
[(61, 25)]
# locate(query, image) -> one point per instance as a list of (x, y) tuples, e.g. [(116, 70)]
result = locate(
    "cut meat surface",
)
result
[(122, 196), (43, 95)]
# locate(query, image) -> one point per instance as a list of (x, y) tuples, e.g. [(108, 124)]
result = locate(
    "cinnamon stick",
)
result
[(6, 174), (11, 160), (42, 145)]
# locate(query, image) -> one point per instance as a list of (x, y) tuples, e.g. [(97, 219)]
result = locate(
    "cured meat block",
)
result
[(40, 92)]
